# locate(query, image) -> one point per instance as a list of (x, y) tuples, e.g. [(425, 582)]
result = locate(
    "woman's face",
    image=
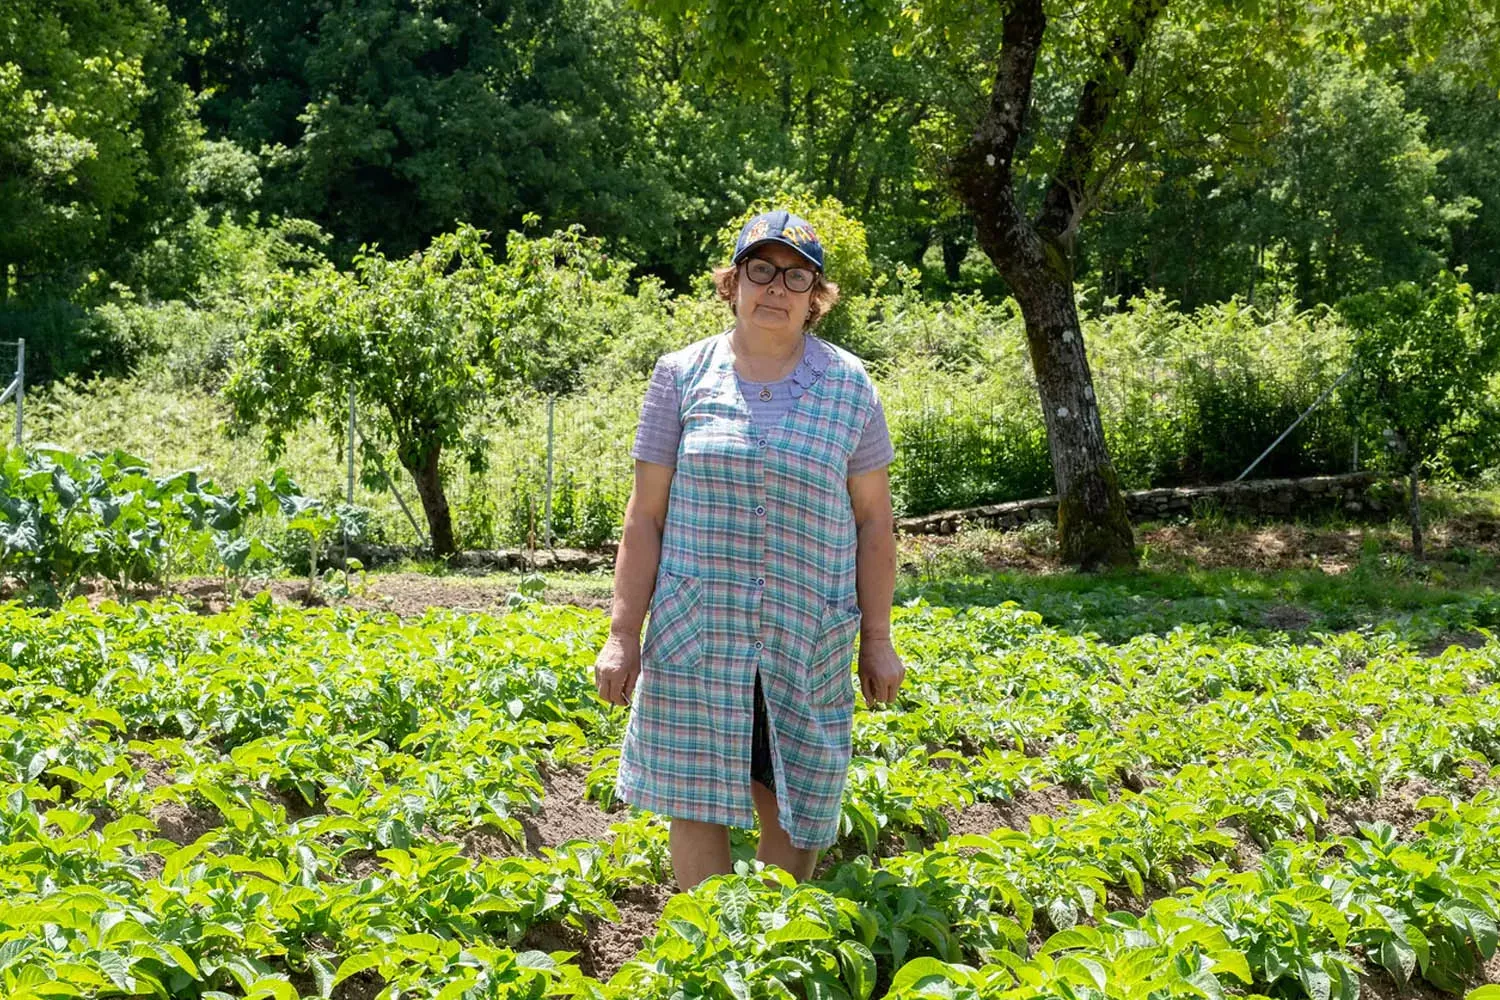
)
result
[(772, 308)]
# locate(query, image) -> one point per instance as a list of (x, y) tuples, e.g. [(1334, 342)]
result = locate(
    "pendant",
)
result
[(765, 394)]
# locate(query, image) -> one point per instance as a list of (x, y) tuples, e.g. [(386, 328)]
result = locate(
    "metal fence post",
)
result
[(20, 385), (1316, 403), (547, 511), (17, 386), (349, 489)]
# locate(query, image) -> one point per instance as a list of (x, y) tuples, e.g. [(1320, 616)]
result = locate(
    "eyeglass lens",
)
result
[(763, 272)]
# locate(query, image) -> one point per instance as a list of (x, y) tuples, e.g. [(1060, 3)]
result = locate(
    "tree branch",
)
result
[(1068, 194), (982, 172), (1010, 97)]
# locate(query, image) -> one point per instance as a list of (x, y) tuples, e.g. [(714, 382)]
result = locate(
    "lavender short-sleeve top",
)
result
[(660, 428)]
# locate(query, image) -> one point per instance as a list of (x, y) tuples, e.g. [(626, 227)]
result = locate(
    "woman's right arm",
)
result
[(636, 561)]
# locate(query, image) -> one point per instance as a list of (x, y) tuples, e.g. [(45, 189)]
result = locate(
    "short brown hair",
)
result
[(825, 294)]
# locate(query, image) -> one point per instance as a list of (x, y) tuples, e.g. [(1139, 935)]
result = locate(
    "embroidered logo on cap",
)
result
[(800, 234), (758, 231)]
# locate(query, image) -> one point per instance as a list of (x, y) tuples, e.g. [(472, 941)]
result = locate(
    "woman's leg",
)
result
[(698, 850), (775, 846)]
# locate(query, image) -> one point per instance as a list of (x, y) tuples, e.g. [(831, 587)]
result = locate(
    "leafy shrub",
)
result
[(66, 517)]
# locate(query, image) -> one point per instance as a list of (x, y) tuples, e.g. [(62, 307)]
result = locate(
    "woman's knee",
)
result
[(697, 828)]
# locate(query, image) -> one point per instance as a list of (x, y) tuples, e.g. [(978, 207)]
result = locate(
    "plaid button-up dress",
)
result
[(757, 573)]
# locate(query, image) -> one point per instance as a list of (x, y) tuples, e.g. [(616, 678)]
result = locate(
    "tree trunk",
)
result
[(1414, 509), (1035, 257), (434, 501), (954, 250), (921, 237), (1093, 525)]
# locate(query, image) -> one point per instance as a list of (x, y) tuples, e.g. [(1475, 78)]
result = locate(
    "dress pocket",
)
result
[(674, 629), (828, 673)]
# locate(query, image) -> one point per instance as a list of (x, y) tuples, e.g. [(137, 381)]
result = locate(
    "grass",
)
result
[(1211, 572), (1255, 602), (1331, 574), (1118, 605)]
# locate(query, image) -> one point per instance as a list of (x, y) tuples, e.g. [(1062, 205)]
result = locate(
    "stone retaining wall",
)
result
[(481, 559), (1271, 499)]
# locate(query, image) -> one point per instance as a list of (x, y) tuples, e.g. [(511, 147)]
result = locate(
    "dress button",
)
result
[(759, 644), (761, 443), (760, 512), (760, 581)]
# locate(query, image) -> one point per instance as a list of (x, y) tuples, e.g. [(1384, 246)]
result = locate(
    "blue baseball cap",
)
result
[(779, 227)]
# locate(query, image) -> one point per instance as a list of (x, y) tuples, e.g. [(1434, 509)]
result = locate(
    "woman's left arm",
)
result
[(880, 669)]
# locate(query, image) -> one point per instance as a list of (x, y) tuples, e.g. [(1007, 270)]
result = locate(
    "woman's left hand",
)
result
[(880, 671)]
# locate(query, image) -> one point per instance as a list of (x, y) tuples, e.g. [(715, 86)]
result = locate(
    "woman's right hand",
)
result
[(617, 668)]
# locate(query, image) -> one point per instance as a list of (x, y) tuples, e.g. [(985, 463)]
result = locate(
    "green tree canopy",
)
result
[(385, 122), (1068, 103), (1344, 197), (429, 344), (95, 136), (1424, 362)]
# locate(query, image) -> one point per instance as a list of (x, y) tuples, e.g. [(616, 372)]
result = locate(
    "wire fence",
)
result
[(558, 471), (956, 443), (16, 391)]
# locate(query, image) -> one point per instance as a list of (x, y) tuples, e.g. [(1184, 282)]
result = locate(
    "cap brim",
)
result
[(781, 240)]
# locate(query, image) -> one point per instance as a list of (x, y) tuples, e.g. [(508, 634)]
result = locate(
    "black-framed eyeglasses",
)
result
[(796, 278)]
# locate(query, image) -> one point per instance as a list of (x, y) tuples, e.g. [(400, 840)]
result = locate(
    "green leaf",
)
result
[(269, 868), (14, 949), (1084, 969), (858, 966), (117, 969), (899, 944), (66, 491), (180, 859), (322, 974), (823, 986), (800, 929), (272, 988), (181, 958), (1234, 963), (925, 972), (1207, 984), (1315, 982), (689, 932), (246, 971), (1078, 937), (355, 964), (732, 980), (458, 987), (534, 959), (1397, 957)]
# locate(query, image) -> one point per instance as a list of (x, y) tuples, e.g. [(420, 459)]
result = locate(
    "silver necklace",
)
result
[(765, 390)]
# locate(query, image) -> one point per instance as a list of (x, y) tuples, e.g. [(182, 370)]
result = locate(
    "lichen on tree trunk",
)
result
[(1093, 524)]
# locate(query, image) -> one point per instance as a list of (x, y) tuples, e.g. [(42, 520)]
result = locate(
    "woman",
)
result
[(760, 532)]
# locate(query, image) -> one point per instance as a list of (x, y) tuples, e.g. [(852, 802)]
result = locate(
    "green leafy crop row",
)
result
[(270, 802)]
